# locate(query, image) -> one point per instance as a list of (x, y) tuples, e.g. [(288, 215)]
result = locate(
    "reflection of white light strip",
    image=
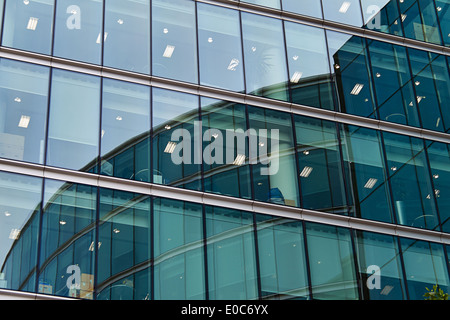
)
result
[(233, 64), (344, 7), (357, 89), (386, 290), (240, 159), (296, 77), (91, 247), (370, 183), (14, 234), (170, 147), (99, 39), (32, 23), (24, 121), (169, 51), (306, 172)]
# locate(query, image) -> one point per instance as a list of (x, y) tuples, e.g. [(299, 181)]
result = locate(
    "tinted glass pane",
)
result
[(331, 260), (378, 255), (425, 266), (174, 50), (125, 130), (443, 12), (68, 240), (28, 25), (231, 254), (23, 110), (78, 30), (348, 11), (306, 7), (268, 3), (282, 258), (420, 21), (127, 24), (220, 50), (381, 15), (265, 58), (74, 120), (179, 254), (20, 199)]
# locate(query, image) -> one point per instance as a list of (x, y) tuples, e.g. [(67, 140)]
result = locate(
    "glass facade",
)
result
[(131, 132)]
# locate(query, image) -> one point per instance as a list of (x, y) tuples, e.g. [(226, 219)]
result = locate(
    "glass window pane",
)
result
[(381, 15), (420, 21), (425, 266), (68, 237), (175, 117), (28, 25), (331, 260), (220, 50), (443, 12), (220, 118), (231, 254), (366, 173), (74, 120), (274, 175), (265, 57), (309, 72), (127, 24), (179, 254), (78, 30), (307, 7), (23, 110), (412, 191), (174, 44), (20, 198), (267, 3), (282, 258), (125, 128), (380, 253), (348, 11)]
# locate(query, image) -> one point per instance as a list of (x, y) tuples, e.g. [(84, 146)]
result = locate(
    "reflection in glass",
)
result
[(179, 254), (265, 60), (220, 50), (28, 25), (23, 110), (74, 120), (127, 26), (333, 274), (230, 254), (125, 146), (311, 8), (344, 11), (20, 198), (443, 13), (174, 43), (68, 239), (419, 20), (267, 3), (78, 30)]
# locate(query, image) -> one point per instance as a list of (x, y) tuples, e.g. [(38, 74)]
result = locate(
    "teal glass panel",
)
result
[(28, 25), (382, 16), (124, 234), (425, 266), (67, 246), (78, 30), (20, 198), (380, 266), (348, 11), (177, 156), (311, 8), (412, 190), (23, 110), (230, 254), (73, 135), (443, 13), (220, 49), (282, 259), (133, 287), (178, 250), (127, 44), (366, 173), (222, 119), (275, 170), (265, 59), (125, 130), (420, 21), (174, 40), (309, 72), (332, 264), (319, 162)]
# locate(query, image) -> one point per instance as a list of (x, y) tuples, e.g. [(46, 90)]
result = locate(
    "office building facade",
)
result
[(206, 150)]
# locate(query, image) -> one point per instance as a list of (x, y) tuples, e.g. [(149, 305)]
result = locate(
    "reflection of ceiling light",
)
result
[(386, 290), (119, 118), (99, 39), (438, 8), (167, 127), (419, 98), (253, 49), (337, 66), (32, 23), (168, 51), (357, 89), (306, 172), (378, 75), (26, 2), (24, 121), (91, 247), (215, 135), (296, 77), (62, 222), (116, 231), (403, 17), (306, 152), (417, 83), (165, 30), (14, 234), (7, 213), (233, 64), (170, 147), (436, 176), (370, 183), (240, 159), (18, 100), (120, 21), (394, 168), (344, 7), (210, 40), (295, 57)]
